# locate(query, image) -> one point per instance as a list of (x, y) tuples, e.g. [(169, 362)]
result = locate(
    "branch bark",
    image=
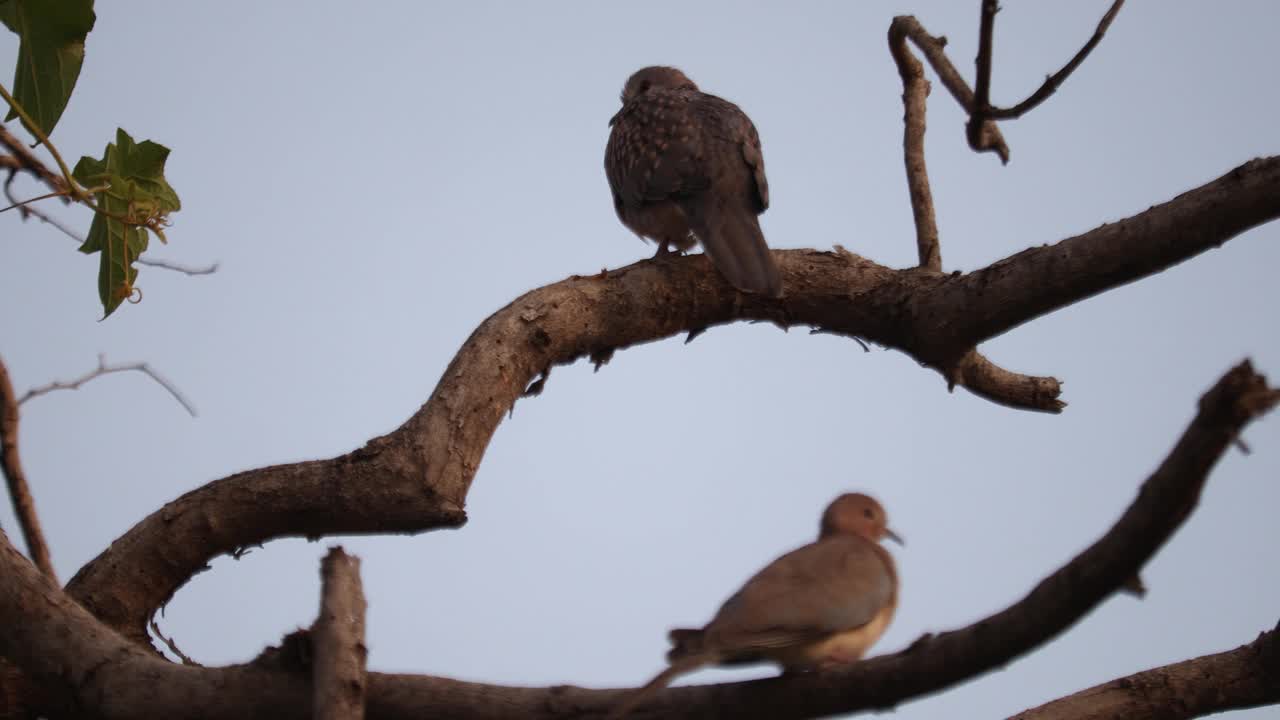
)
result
[(24, 506), (1246, 677), (338, 674), (915, 90), (64, 648), (417, 477), (934, 48)]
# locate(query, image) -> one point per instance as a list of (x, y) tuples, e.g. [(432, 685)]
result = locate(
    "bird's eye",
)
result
[(867, 512), (644, 87)]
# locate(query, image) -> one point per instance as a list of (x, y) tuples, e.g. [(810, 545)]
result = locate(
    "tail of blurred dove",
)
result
[(819, 606)]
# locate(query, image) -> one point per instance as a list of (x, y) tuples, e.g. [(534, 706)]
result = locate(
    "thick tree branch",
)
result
[(24, 506), (338, 672), (60, 645), (1246, 677), (990, 138), (1052, 82), (416, 478), (1042, 279)]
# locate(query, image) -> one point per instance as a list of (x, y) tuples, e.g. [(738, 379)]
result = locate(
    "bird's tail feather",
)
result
[(735, 243), (681, 666)]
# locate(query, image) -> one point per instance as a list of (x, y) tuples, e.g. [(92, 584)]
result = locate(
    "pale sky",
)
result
[(376, 180)]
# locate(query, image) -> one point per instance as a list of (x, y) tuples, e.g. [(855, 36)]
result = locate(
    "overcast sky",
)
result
[(375, 180)]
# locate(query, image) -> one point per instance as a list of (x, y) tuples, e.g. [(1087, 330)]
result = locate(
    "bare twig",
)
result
[(933, 48), (105, 369), (1232, 680), (915, 88), (179, 267), (172, 644), (1052, 82), (24, 506), (338, 673)]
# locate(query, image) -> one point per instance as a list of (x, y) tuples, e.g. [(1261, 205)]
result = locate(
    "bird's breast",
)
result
[(839, 648)]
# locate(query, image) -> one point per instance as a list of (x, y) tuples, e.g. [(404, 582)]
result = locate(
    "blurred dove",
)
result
[(816, 607)]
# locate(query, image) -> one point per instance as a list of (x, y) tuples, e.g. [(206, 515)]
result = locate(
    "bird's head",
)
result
[(857, 514), (656, 77)]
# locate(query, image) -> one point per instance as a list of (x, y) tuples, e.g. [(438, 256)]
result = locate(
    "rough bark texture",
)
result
[(1246, 677), (95, 670), (338, 672)]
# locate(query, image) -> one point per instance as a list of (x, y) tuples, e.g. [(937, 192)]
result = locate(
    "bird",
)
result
[(684, 167), (818, 607)]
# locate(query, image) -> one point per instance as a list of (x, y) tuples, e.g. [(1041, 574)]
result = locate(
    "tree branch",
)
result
[(338, 672), (1052, 82), (990, 138), (915, 89), (1246, 677), (105, 369), (24, 507), (27, 160), (417, 477), (64, 648)]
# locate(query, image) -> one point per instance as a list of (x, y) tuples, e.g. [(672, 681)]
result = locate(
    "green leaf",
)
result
[(136, 198), (49, 55)]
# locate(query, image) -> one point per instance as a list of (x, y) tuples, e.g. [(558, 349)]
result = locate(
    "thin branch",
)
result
[(1052, 82), (982, 82), (933, 48), (31, 210), (63, 647), (338, 670), (915, 89), (179, 267), (1234, 680), (29, 162), (24, 506), (992, 382), (172, 644), (417, 477), (105, 369)]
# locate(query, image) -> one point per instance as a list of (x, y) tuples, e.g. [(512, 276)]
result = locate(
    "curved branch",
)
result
[(989, 137), (1246, 677), (416, 478), (915, 89), (65, 649)]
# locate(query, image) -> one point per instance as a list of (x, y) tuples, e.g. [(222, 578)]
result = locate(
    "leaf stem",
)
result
[(76, 191)]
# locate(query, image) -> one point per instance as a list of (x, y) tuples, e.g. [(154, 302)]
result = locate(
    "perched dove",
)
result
[(816, 607), (684, 166)]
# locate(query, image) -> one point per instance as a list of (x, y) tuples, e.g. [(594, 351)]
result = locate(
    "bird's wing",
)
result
[(830, 586), (725, 122)]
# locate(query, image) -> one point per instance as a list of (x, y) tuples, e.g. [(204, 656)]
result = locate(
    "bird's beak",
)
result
[(894, 537)]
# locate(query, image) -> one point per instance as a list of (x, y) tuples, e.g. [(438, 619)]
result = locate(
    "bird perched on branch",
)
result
[(817, 607), (685, 166)]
